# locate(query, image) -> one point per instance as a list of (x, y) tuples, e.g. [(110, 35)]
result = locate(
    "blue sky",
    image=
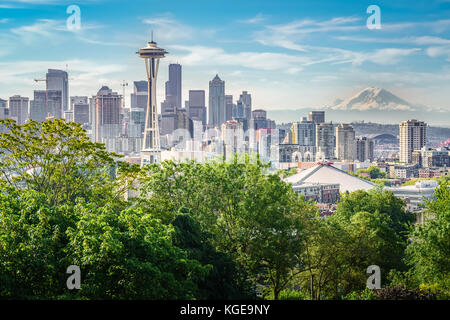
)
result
[(288, 54)]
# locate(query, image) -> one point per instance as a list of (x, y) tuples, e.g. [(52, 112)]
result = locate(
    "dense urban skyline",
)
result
[(292, 56)]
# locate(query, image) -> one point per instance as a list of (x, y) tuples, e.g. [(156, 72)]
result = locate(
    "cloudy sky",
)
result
[(288, 54)]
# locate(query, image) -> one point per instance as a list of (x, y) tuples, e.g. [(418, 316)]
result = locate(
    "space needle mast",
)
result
[(151, 150)]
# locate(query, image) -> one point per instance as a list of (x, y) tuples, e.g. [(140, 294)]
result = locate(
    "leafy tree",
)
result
[(429, 250), (130, 256), (56, 158), (223, 280), (384, 202), (125, 255), (32, 242), (255, 218)]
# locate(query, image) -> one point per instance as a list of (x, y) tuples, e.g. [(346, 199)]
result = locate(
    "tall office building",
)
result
[(233, 138), (304, 133), (173, 90), (229, 107), (107, 114), (325, 139), (4, 111), (54, 104), (139, 99), (364, 149), (79, 106), (413, 136), (18, 109), (239, 110), (316, 116), (81, 113), (217, 110), (38, 106), (78, 100), (197, 106), (345, 142), (59, 80), (246, 100), (3, 103)]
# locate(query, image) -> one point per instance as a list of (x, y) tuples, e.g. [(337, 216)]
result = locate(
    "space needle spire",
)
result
[(151, 150)]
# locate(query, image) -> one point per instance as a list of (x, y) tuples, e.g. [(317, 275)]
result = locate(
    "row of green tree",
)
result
[(219, 230)]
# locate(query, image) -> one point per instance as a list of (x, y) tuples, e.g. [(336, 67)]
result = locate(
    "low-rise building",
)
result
[(415, 195), (319, 192)]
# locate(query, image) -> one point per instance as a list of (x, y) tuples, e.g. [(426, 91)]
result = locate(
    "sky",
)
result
[(288, 54)]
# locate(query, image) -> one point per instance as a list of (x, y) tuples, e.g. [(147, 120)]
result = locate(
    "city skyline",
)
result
[(286, 60)]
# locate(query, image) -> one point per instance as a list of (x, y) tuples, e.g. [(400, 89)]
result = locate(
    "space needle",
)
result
[(151, 150)]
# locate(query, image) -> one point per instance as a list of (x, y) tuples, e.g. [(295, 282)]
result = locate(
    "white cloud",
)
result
[(439, 51), (256, 19), (85, 73), (166, 29)]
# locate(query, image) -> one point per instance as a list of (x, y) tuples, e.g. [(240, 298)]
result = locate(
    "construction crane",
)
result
[(46, 91)]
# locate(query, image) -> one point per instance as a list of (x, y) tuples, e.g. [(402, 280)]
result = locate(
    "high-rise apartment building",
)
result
[(59, 80), (325, 139), (345, 142), (364, 149), (217, 110), (316, 116), (413, 136), (18, 109)]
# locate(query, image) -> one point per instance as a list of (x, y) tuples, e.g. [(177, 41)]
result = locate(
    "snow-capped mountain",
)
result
[(374, 98)]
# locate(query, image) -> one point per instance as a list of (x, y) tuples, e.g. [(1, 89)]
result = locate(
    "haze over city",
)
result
[(290, 56)]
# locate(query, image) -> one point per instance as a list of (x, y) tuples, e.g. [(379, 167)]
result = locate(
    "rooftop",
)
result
[(327, 174)]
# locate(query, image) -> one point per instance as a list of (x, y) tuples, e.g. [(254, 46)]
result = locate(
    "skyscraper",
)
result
[(413, 136), (54, 104), (173, 89), (345, 142), (364, 149), (246, 99), (325, 139), (151, 151), (217, 110), (18, 109), (107, 114), (197, 106), (38, 106), (4, 111), (316, 116), (138, 104), (3, 103), (229, 107), (304, 133), (59, 80)]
